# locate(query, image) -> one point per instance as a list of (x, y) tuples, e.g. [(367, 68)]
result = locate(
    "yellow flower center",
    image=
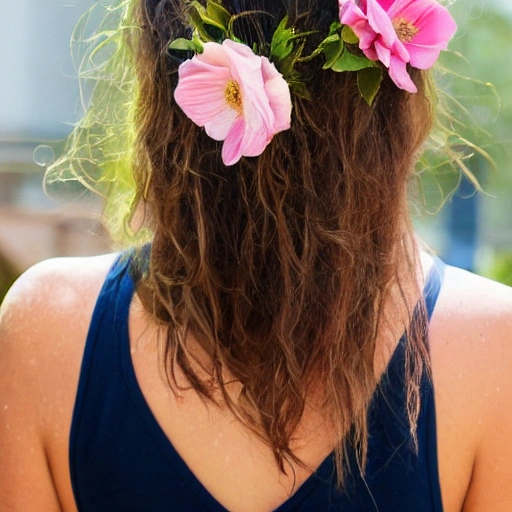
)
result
[(233, 95), (405, 30)]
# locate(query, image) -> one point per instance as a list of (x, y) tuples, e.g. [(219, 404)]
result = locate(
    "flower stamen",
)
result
[(233, 95), (405, 30)]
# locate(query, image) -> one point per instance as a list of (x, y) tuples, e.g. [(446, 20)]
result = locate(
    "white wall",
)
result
[(38, 91)]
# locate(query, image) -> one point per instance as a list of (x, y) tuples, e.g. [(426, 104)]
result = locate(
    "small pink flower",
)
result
[(237, 96), (398, 32)]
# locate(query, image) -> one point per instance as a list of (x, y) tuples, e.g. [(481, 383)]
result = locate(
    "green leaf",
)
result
[(347, 34), (351, 62), (195, 45), (281, 46), (368, 81), (211, 22), (332, 52), (332, 46), (197, 22), (334, 28), (217, 15), (333, 38)]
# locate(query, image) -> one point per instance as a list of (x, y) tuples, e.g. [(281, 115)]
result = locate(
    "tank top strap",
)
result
[(433, 286), (113, 303), (100, 374), (121, 273)]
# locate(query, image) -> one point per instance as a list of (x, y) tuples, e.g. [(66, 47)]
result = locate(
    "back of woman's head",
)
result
[(278, 265)]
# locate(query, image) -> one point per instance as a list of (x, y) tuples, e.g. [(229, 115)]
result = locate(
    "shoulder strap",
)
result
[(100, 364), (433, 286)]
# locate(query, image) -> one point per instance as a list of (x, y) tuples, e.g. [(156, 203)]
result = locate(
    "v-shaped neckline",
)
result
[(325, 470)]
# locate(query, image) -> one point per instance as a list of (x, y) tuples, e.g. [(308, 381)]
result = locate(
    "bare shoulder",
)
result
[(473, 321), (45, 317), (478, 295), (54, 297), (44, 321), (471, 346), (50, 306), (57, 283)]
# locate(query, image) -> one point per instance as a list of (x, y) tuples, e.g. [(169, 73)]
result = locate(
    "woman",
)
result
[(252, 358)]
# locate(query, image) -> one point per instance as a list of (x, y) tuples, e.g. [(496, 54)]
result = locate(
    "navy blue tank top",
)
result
[(121, 460)]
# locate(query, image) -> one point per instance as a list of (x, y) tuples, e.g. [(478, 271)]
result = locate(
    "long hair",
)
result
[(279, 266)]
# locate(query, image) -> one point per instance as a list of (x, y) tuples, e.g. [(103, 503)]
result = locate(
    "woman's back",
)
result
[(151, 473), (42, 353)]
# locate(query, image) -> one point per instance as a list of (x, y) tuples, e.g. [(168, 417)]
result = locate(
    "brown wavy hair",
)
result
[(280, 265)]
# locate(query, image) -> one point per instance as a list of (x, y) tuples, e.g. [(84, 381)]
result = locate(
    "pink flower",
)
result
[(237, 96), (398, 32)]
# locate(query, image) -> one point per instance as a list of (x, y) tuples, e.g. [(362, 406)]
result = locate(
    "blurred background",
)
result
[(39, 103)]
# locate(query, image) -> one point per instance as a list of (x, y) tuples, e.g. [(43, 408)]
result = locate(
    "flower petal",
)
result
[(371, 53), (422, 56), (381, 23), (278, 93), (387, 4), (398, 73), (214, 54), (232, 148), (256, 139), (219, 127), (383, 53), (352, 16), (246, 71), (201, 90), (435, 29)]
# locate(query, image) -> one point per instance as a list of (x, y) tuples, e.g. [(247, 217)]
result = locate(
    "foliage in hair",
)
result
[(213, 23), (98, 155), (459, 101)]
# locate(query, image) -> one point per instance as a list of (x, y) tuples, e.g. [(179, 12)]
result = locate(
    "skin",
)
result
[(43, 326)]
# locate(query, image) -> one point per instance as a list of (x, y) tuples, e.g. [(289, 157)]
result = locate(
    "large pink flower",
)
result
[(398, 32), (237, 96)]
